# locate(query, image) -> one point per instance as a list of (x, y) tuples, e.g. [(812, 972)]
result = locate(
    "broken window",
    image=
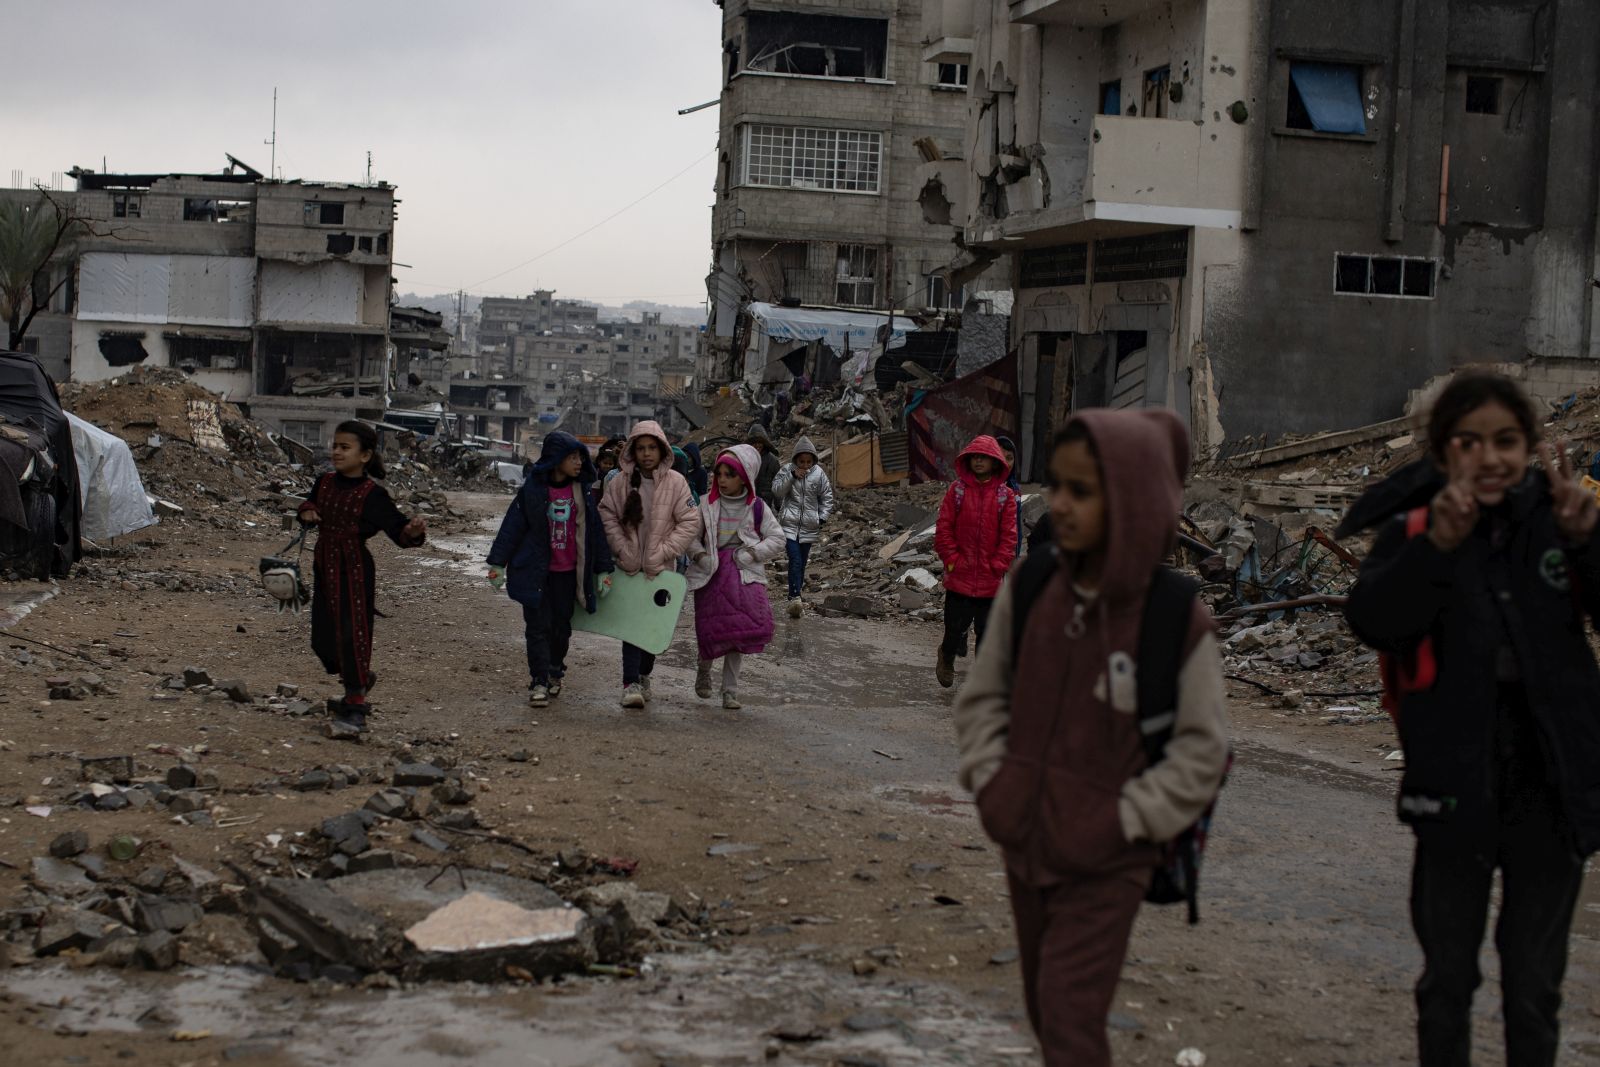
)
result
[(364, 243), (125, 206), (940, 295), (1402, 276), (800, 157), (341, 244), (383, 244), (322, 213), (189, 353), (953, 75), (1157, 92), (1325, 97), (1483, 94), (816, 46), (855, 276), (303, 431), (210, 209), (1144, 258), (1111, 98)]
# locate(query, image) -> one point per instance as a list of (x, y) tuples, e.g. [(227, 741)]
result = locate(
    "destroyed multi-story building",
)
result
[(272, 293), (1283, 216), (830, 110), (501, 320)]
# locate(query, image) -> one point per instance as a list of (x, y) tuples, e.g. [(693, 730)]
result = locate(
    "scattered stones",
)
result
[(194, 677), (238, 691), (158, 951), (728, 848), (286, 690), (377, 859), (186, 801), (429, 839), (457, 820), (418, 774), (54, 876), (453, 792), (67, 845), (65, 929), (390, 803), (348, 832), (182, 776), (314, 780)]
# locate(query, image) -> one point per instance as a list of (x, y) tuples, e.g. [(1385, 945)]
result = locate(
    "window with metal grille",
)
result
[(856, 275), (802, 157), (1410, 277)]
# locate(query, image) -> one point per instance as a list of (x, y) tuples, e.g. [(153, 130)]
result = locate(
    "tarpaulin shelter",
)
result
[(1331, 95), (777, 331), (27, 393), (109, 488), (940, 422)]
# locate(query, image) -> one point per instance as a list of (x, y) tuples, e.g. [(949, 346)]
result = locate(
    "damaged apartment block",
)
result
[(274, 294)]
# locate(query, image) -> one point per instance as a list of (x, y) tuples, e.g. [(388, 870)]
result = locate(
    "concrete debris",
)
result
[(70, 844), (476, 921)]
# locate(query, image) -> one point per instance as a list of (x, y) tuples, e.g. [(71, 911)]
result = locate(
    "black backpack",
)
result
[(1165, 626)]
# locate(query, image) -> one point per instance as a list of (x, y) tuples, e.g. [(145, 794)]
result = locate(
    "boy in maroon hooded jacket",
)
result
[(976, 539), (1060, 774)]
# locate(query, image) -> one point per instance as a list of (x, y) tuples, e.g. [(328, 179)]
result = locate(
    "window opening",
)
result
[(383, 244), (941, 296), (1483, 94), (124, 206), (1157, 84), (193, 353), (855, 275), (304, 432), (818, 46), (1325, 97), (1111, 98), (341, 244), (800, 157), (1412, 277), (953, 75), (364, 243), (320, 213)]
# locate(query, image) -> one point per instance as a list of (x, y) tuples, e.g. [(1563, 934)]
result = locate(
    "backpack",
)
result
[(1165, 624), (1002, 496), (1417, 670)]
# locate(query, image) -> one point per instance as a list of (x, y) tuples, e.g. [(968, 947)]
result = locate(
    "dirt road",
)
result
[(869, 917)]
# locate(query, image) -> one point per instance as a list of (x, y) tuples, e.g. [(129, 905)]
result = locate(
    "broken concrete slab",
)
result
[(72, 843), (429, 839), (56, 876), (418, 774), (478, 935), (348, 832), (643, 908), (158, 951), (378, 859), (317, 918), (64, 929), (161, 913), (860, 607), (196, 676), (390, 803), (238, 690)]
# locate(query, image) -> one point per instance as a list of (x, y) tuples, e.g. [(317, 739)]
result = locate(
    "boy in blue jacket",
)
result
[(549, 541)]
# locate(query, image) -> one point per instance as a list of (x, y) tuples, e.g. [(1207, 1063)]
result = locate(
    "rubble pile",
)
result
[(202, 459)]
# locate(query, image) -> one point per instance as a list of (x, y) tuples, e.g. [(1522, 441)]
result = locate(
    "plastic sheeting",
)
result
[(113, 498), (856, 330), (185, 289), (1331, 94), (327, 292)]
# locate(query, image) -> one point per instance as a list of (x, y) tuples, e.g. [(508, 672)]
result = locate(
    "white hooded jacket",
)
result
[(804, 504)]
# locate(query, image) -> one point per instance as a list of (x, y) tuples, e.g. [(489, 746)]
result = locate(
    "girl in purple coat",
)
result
[(728, 573)]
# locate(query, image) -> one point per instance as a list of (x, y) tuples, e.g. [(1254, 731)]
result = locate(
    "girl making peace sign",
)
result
[(1484, 589)]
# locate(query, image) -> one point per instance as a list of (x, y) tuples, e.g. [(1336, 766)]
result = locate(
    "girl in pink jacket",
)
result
[(650, 519)]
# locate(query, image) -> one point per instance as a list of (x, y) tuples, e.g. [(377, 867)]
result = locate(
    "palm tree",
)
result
[(32, 234)]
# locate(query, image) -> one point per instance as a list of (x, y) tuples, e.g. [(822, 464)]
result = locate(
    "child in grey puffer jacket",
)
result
[(804, 498)]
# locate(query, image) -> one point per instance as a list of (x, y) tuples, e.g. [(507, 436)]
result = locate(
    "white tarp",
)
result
[(123, 286), (190, 290), (327, 292), (113, 497), (212, 291), (779, 328)]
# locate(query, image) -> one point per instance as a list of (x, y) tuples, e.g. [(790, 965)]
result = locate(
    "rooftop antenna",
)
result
[(369, 166), (272, 168)]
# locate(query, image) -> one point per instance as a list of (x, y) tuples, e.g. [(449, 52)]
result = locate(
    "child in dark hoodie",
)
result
[(1050, 742), (550, 541), (976, 539), (1488, 573), (1009, 448)]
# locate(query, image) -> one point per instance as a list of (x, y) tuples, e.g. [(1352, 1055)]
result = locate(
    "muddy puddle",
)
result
[(17, 599), (701, 1008)]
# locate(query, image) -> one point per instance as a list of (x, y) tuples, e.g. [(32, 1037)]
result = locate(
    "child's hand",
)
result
[(310, 516), (497, 578), (1577, 511), (416, 528), (746, 554), (1454, 512)]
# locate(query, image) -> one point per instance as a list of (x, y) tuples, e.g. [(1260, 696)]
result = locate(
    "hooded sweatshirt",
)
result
[(670, 523), (977, 532), (1061, 778), (523, 545), (1008, 445), (757, 541), (804, 503), (769, 463)]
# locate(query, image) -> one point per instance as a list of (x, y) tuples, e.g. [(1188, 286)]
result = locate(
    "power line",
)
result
[(584, 233)]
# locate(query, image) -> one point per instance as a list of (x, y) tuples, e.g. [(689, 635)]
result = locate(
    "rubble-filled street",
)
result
[(193, 873)]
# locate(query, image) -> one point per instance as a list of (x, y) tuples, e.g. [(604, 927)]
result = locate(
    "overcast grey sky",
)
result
[(507, 126)]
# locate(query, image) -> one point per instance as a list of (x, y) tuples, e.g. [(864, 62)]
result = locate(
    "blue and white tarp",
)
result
[(779, 329)]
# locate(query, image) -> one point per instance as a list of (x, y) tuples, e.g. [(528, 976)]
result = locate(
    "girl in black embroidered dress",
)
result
[(350, 507)]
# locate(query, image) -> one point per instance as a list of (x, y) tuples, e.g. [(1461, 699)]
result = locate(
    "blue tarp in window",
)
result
[(1331, 93), (1111, 98)]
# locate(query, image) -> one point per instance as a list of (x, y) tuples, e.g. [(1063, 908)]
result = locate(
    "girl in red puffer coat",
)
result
[(976, 540)]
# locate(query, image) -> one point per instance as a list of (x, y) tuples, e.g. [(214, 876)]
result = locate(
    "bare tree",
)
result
[(33, 235)]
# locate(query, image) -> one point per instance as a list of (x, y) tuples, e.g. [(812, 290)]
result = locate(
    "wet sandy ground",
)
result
[(840, 770)]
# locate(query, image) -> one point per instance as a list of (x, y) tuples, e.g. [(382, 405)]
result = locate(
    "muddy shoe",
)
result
[(349, 721), (539, 696), (944, 670), (702, 680), (796, 608), (644, 687), (730, 701), (632, 696), (555, 689)]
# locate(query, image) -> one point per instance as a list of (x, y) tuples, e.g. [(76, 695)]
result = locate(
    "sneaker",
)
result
[(945, 671), (349, 720), (795, 608), (632, 696), (730, 701), (644, 687), (702, 680), (554, 688), (539, 696)]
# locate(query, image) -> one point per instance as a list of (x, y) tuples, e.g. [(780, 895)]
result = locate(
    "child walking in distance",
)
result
[(349, 507), (804, 498), (759, 437), (650, 519), (1008, 449), (739, 534), (550, 552), (977, 541), (1050, 721), (1480, 592)]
